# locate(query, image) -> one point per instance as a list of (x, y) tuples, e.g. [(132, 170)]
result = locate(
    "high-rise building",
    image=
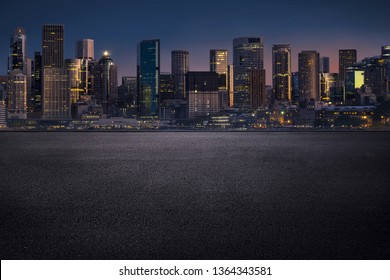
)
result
[(56, 97), (219, 65), (85, 49), (37, 82), (257, 91), (3, 114), (308, 67), (53, 46), (324, 64), (106, 82), (17, 55), (180, 67), (231, 85), (73, 71), (148, 78), (347, 58), (202, 94), (328, 86), (281, 72), (17, 95), (247, 55)]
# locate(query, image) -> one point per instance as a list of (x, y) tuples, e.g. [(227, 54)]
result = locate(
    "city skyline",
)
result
[(302, 25)]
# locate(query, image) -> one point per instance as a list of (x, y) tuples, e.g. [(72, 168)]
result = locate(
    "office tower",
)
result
[(52, 46), (37, 82), (324, 64), (17, 54), (231, 85), (3, 114), (106, 82), (257, 92), (219, 65), (295, 86), (386, 52), (347, 58), (148, 78), (308, 67), (281, 72), (328, 86), (202, 94), (73, 71), (27, 70), (180, 67), (17, 95), (85, 49), (168, 98), (247, 55), (56, 97), (3, 87), (130, 83), (376, 76)]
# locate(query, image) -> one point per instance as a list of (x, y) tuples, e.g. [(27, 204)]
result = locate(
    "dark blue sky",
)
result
[(199, 26)]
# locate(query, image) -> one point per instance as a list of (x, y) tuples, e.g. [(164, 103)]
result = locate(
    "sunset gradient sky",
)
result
[(198, 26)]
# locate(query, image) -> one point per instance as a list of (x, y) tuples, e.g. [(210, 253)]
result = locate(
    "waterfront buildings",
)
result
[(281, 72), (308, 67), (248, 54), (179, 69), (148, 78)]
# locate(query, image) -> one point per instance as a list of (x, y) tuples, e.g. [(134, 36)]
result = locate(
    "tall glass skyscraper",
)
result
[(248, 54), (347, 58), (180, 67), (309, 80), (281, 72), (53, 46), (17, 55), (219, 65), (148, 78)]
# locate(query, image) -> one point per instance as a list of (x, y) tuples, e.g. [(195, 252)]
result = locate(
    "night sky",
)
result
[(198, 26)]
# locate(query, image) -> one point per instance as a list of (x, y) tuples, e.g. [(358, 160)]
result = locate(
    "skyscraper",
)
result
[(180, 67), (324, 64), (148, 78), (247, 55), (347, 58), (37, 82), (53, 46), (17, 95), (219, 65), (106, 81), (73, 71), (17, 55), (202, 94), (56, 98), (85, 49), (281, 72), (257, 91), (308, 67)]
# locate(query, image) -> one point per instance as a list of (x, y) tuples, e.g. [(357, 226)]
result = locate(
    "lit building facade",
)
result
[(3, 114), (17, 95), (281, 72), (219, 65), (202, 94), (53, 46), (179, 68), (347, 58), (56, 101), (85, 51), (257, 89), (308, 67), (148, 78), (248, 54), (106, 82), (73, 71), (17, 56)]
